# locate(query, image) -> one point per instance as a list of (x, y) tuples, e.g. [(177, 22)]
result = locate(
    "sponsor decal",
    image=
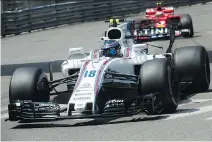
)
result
[(83, 94), (79, 105), (116, 101), (90, 73), (84, 90), (86, 85), (45, 107), (160, 24), (153, 31), (81, 98)]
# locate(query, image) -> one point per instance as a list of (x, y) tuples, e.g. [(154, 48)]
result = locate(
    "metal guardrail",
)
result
[(17, 22)]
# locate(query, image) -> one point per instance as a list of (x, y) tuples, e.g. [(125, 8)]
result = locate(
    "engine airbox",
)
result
[(114, 33)]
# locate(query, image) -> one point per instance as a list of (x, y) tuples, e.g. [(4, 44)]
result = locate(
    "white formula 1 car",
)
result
[(102, 86)]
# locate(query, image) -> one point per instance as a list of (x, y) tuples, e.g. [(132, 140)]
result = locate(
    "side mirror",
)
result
[(103, 38), (51, 67)]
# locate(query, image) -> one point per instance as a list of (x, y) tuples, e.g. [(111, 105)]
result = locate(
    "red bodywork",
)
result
[(160, 22)]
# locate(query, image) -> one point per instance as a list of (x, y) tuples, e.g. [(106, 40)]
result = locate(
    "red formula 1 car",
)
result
[(159, 18), (151, 13)]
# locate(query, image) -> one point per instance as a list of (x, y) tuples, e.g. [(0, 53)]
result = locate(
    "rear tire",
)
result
[(192, 64), (160, 76), (186, 23), (29, 83)]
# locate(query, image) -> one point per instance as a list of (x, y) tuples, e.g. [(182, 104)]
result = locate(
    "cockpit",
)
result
[(111, 48), (159, 14)]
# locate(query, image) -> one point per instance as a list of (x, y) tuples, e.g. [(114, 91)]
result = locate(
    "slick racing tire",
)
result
[(186, 23), (159, 76), (192, 65), (29, 83)]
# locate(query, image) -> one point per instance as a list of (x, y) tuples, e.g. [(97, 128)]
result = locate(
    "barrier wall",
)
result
[(16, 22)]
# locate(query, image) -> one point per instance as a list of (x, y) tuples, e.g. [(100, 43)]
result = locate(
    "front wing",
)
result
[(26, 112)]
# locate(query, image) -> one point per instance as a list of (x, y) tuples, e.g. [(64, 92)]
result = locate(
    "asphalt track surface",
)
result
[(193, 121)]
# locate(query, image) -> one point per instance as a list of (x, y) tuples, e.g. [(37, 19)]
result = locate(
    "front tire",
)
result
[(187, 23), (29, 83), (160, 76)]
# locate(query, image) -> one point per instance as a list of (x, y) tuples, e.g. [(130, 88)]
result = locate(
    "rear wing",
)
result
[(172, 21), (172, 24), (150, 11), (166, 10)]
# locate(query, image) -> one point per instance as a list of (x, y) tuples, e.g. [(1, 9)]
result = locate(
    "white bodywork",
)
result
[(92, 67)]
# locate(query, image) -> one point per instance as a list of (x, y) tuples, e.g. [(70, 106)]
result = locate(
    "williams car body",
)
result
[(102, 86)]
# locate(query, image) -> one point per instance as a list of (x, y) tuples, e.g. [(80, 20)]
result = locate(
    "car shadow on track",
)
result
[(210, 90), (88, 123), (180, 111), (185, 98)]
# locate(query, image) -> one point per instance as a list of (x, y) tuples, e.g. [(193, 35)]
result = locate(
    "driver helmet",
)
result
[(159, 8), (159, 14), (111, 48)]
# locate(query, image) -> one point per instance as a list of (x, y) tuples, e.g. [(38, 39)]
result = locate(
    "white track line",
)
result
[(4, 116), (193, 101), (4, 109), (209, 118), (201, 110)]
